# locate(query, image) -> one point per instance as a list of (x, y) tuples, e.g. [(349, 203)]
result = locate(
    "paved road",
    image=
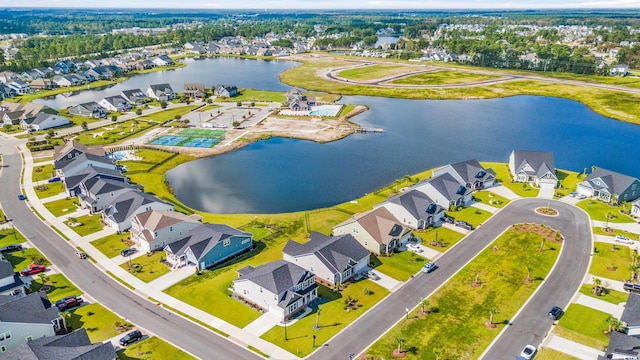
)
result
[(100, 286), (529, 327)]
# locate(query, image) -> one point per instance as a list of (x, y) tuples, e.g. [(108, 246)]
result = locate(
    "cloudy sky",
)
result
[(330, 4)]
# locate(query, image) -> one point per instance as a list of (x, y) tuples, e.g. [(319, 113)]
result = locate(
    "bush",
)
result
[(139, 112), (163, 104), (114, 117)]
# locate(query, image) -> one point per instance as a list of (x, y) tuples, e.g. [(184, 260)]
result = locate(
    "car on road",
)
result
[(21, 197), (69, 302), (555, 313), (127, 252), (528, 352), (415, 248), (81, 255), (10, 248), (623, 239), (33, 269), (131, 337), (429, 267)]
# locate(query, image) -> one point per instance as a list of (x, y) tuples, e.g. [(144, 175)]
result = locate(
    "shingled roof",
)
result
[(276, 277), (380, 224), (73, 346), (335, 252), (34, 308), (613, 182)]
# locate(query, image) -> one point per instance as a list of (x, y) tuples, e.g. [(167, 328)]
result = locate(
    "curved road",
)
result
[(183, 333)]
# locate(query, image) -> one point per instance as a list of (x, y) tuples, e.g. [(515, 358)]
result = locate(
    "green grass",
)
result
[(597, 230), (208, 107), (333, 318), (489, 198), (373, 72), (259, 232), (49, 189), (60, 287), (612, 296), (399, 266), (598, 210), (152, 156), (119, 131), (42, 159), (458, 324), (154, 180), (111, 245), (11, 236), (444, 77), (324, 220), (136, 166), (472, 215), (43, 172), (22, 259), (99, 322), (253, 95), (504, 176), (153, 348), (569, 181), (551, 354), (584, 325), (76, 119), (89, 224), (45, 93), (148, 267), (62, 206), (611, 264), (446, 236), (168, 114)]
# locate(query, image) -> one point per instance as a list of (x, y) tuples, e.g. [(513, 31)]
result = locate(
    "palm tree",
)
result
[(400, 341), (423, 303), (614, 323), (529, 268), (634, 270), (597, 283), (66, 315), (407, 179), (542, 244), (396, 183), (492, 312), (437, 353)]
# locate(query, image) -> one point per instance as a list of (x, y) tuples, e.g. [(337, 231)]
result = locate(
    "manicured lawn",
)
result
[(373, 72), (612, 296), (111, 245), (62, 207), (153, 348), (153, 181), (99, 322), (504, 176), (43, 172), (148, 267), (488, 198), (473, 216), (459, 309), (568, 181), (446, 237), (89, 224), (153, 156), (253, 95), (168, 114), (551, 354), (399, 266), (584, 325), (324, 220), (444, 77), (136, 166), (114, 132), (333, 317), (600, 210), (611, 264), (60, 287), (11, 236), (597, 230), (22, 259), (259, 231), (42, 159), (50, 189), (208, 107)]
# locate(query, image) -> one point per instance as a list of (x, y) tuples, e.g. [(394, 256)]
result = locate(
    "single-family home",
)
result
[(143, 64), (72, 183), (333, 259), (100, 73), (162, 60), (207, 245), (377, 230), (625, 345), (89, 109), (72, 149), (635, 208), (115, 103), (161, 92), (226, 91), (610, 186), (264, 51), (10, 281), (6, 92), (533, 167), (414, 209), (41, 84), (44, 72), (64, 67), (470, 173), (194, 90), (74, 345), (97, 193), (446, 191), (619, 70), (134, 97), (26, 318), (296, 101), (124, 207), (279, 287), (8, 76), (70, 167), (43, 121), (19, 86), (153, 230)]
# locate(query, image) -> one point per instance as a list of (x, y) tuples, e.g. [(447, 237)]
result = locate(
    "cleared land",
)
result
[(373, 72), (444, 77)]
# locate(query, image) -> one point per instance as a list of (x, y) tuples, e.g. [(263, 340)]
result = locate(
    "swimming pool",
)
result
[(326, 110)]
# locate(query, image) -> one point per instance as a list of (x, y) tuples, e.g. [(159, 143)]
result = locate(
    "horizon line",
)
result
[(329, 9)]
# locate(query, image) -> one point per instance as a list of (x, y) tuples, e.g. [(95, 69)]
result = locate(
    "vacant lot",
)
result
[(373, 72), (444, 77)]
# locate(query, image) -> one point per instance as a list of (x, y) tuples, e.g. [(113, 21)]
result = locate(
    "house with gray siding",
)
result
[(161, 92), (10, 282), (414, 209), (535, 167), (470, 173), (124, 207), (115, 103), (226, 91), (89, 109), (72, 183), (610, 186), (134, 97), (74, 345), (96, 193), (446, 191), (625, 345), (44, 121), (72, 149), (70, 167), (155, 229)]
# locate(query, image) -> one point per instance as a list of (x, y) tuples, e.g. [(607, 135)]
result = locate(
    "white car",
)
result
[(581, 196), (415, 248), (528, 352), (624, 239)]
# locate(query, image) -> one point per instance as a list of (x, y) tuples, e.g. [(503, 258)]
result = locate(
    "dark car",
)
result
[(21, 197), (10, 248), (53, 179), (556, 313), (447, 219), (634, 288), (33, 269), (463, 224), (131, 337), (127, 252), (68, 303)]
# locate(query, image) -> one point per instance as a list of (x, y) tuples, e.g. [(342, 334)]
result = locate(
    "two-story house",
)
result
[(155, 229), (534, 167), (70, 167), (446, 191), (470, 173), (72, 183), (10, 281), (74, 345), (124, 207), (610, 186), (161, 92), (97, 193)]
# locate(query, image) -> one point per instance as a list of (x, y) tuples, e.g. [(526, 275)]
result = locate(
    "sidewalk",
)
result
[(504, 191), (632, 227), (607, 283), (597, 304), (572, 348), (484, 207)]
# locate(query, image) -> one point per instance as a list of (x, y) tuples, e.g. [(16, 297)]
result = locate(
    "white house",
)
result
[(414, 209), (635, 208), (161, 92), (10, 281), (115, 103), (97, 193), (533, 167), (44, 121), (155, 229), (123, 208)]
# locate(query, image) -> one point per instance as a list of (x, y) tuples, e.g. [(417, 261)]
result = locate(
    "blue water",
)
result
[(282, 175)]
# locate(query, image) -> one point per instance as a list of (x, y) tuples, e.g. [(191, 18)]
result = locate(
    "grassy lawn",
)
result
[(88, 224), (373, 72), (504, 176), (11, 236), (136, 166), (611, 264), (459, 309), (111, 245), (114, 132), (259, 231), (399, 266), (444, 77), (551, 354), (77, 120), (568, 181), (447, 237), (488, 198), (612, 296), (50, 189), (253, 95), (208, 107), (168, 114), (584, 325), (43, 172), (599, 210), (597, 230), (152, 348), (473, 216), (333, 317), (42, 159), (60, 287), (62, 206), (22, 259), (148, 267), (99, 322), (324, 220), (153, 180)]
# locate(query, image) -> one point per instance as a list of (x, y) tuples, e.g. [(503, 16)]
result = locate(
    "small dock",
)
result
[(369, 130)]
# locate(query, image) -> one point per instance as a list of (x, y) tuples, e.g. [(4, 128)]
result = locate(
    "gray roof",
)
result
[(448, 186), (34, 308), (417, 203), (336, 252), (89, 172), (203, 238), (160, 89), (123, 206), (613, 182), (116, 100), (91, 106), (540, 161), (40, 118), (67, 164), (471, 171), (73, 346), (133, 95), (17, 283), (6, 269), (276, 276), (631, 313), (625, 344), (98, 186)]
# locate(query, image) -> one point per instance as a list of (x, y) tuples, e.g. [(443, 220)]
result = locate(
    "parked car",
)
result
[(10, 248), (131, 337), (528, 352), (33, 269), (634, 288), (581, 196), (624, 239), (371, 275), (573, 194), (21, 197), (81, 255), (429, 267), (555, 313), (415, 248), (69, 302), (463, 224), (127, 252), (447, 219), (53, 179)]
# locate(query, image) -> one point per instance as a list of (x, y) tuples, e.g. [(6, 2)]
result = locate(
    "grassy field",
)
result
[(62, 207), (324, 220), (88, 224), (444, 77), (153, 348), (611, 264), (168, 114), (11, 236), (60, 287), (22, 259), (584, 325), (115, 132), (399, 266), (492, 199), (147, 268), (473, 216), (99, 322), (49, 189), (446, 237), (504, 176), (373, 72), (550, 354), (612, 296), (111, 245), (43, 172), (600, 210), (333, 317), (460, 309)]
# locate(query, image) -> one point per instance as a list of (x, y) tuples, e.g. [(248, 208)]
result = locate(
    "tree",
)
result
[(138, 111), (437, 353), (177, 117), (235, 124), (396, 182), (114, 117), (400, 341), (85, 126), (253, 104), (163, 104), (493, 311), (634, 270), (529, 268), (597, 285), (614, 323), (65, 315), (407, 179), (424, 303), (239, 104)]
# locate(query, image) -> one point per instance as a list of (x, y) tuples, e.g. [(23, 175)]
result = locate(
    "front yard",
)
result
[(489, 198), (440, 238), (147, 268), (62, 207), (99, 322), (597, 230), (85, 225), (611, 261), (59, 287), (22, 259), (399, 266), (11, 236), (601, 211), (472, 215), (612, 296), (152, 348), (111, 245), (504, 176), (43, 172), (49, 189), (584, 325)]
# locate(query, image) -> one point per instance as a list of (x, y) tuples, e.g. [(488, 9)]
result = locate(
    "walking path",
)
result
[(504, 191), (572, 348)]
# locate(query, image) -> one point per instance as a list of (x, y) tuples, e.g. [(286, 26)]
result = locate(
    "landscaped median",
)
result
[(468, 312)]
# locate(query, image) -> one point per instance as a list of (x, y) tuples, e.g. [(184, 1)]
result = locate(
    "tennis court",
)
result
[(202, 133), (169, 140), (201, 142)]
